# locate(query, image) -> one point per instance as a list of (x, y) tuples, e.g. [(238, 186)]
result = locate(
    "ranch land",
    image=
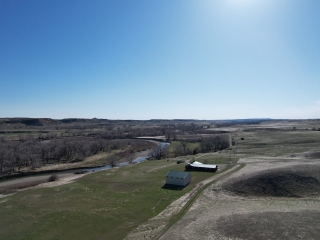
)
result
[(267, 185)]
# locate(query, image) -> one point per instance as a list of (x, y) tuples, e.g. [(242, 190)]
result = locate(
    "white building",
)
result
[(200, 166), (178, 178)]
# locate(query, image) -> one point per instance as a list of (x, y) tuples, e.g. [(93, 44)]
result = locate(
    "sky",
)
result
[(152, 59)]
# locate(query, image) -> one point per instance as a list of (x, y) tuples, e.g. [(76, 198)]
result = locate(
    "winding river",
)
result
[(67, 173)]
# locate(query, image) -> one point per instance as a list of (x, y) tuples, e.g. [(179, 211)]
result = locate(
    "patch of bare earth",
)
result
[(275, 199), (61, 181)]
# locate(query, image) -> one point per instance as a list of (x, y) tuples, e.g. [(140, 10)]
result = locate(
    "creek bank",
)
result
[(31, 176)]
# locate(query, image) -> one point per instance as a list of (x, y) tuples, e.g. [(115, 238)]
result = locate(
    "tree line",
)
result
[(32, 153), (211, 143)]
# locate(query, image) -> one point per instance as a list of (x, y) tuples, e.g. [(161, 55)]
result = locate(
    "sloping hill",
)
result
[(299, 181)]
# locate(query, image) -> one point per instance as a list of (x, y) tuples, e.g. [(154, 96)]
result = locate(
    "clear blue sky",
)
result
[(125, 59)]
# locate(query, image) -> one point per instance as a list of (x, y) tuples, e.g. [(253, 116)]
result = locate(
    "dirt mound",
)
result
[(298, 182), (271, 225)]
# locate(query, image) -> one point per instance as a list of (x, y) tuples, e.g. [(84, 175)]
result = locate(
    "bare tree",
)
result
[(168, 134), (177, 151), (158, 151), (184, 145), (129, 158), (112, 161)]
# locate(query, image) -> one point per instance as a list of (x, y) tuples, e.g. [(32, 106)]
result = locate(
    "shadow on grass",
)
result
[(201, 170), (173, 187)]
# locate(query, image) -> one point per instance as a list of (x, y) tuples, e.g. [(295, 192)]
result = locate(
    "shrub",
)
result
[(53, 178)]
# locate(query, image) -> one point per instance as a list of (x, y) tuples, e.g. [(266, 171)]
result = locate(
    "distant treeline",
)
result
[(33, 153), (207, 143), (43, 146)]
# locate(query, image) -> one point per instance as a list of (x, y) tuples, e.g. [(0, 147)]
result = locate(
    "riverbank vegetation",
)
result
[(28, 144), (31, 153)]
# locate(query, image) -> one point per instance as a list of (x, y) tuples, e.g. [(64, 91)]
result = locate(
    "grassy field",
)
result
[(275, 143), (109, 204), (218, 158), (102, 205)]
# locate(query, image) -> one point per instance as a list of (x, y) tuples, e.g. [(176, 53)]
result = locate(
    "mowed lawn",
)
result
[(102, 205)]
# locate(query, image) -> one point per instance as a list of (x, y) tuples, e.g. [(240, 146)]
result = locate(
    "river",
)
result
[(66, 173)]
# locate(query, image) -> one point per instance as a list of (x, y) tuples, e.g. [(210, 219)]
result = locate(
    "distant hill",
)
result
[(29, 121), (50, 122)]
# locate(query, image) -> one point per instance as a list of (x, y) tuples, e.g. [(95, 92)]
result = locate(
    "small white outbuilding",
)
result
[(178, 178)]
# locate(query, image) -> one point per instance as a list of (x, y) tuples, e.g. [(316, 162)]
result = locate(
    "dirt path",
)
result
[(219, 214), (155, 227), (35, 178), (63, 179)]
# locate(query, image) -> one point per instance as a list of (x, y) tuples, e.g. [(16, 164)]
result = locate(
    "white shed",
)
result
[(178, 178)]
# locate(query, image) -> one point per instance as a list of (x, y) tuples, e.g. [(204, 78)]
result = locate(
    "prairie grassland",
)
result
[(102, 205), (275, 196), (275, 143)]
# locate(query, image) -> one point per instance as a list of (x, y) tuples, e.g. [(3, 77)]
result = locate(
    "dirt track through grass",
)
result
[(154, 228), (187, 206), (217, 204)]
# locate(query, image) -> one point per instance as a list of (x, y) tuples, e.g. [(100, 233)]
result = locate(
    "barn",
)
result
[(201, 167), (178, 178)]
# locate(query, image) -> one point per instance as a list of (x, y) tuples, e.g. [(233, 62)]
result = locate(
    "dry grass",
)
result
[(275, 196), (271, 225), (221, 214), (12, 188), (297, 181)]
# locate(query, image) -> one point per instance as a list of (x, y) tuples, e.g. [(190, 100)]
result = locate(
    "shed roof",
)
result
[(197, 164), (172, 173)]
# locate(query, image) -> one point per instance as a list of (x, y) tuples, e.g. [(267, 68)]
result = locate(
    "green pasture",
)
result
[(275, 143), (102, 205)]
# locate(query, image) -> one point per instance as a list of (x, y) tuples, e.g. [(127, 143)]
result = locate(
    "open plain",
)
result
[(276, 195), (267, 187)]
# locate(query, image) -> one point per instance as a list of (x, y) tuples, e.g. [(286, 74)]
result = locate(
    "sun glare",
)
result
[(243, 3), (249, 6)]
